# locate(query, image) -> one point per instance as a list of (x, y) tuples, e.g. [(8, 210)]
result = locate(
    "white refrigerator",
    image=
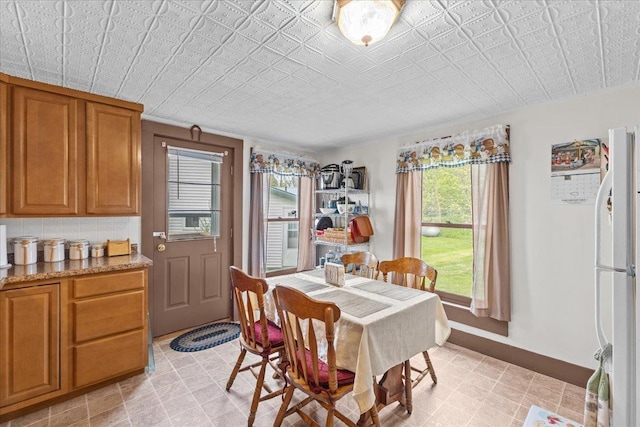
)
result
[(622, 183)]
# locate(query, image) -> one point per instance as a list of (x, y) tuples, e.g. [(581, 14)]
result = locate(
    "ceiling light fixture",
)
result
[(365, 22)]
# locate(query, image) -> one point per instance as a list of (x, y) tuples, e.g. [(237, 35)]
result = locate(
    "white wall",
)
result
[(551, 246), (93, 229)]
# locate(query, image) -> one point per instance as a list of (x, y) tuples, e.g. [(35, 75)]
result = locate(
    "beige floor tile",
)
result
[(150, 416), (40, 415), (502, 404), (110, 401), (69, 417), (487, 416), (192, 417), (69, 404), (188, 390), (573, 401), (110, 417), (548, 383)]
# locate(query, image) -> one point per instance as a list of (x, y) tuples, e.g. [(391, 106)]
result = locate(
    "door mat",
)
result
[(539, 417), (206, 337)]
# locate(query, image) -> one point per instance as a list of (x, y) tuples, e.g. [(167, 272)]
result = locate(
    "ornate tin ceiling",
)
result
[(280, 70)]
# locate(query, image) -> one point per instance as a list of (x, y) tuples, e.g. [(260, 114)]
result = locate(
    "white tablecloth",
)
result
[(381, 325)]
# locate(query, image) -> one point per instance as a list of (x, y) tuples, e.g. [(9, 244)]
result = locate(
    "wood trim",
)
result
[(463, 315), (559, 369), (70, 92)]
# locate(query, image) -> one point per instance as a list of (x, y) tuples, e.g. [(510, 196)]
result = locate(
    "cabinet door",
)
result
[(113, 160), (3, 147), (29, 343), (45, 153)]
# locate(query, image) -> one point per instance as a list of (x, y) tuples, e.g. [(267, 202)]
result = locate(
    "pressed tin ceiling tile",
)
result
[(280, 70)]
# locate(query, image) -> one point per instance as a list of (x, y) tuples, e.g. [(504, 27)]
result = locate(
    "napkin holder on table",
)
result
[(334, 274)]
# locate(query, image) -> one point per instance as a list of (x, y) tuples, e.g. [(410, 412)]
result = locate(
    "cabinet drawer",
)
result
[(100, 360), (104, 316), (107, 284)]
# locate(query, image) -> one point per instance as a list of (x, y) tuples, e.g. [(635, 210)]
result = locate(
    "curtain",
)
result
[(305, 245), (263, 164), (491, 270), (489, 154), (408, 215), (257, 224)]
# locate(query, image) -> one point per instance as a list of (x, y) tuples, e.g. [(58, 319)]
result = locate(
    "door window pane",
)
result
[(193, 194)]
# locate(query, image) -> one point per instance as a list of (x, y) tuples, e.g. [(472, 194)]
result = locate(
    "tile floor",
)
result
[(187, 389)]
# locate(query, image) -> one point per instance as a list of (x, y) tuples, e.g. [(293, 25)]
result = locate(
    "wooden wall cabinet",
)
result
[(30, 353), (58, 340), (113, 160), (45, 153), (70, 153)]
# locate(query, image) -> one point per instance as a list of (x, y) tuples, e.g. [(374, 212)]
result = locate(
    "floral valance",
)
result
[(490, 145), (282, 163)]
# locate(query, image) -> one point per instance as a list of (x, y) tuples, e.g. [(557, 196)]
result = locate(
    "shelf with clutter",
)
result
[(341, 220)]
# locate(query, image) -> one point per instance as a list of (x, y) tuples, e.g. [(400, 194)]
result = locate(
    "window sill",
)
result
[(462, 314)]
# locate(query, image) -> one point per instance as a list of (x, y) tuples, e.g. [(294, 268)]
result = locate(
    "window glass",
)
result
[(193, 194), (282, 223), (447, 236)]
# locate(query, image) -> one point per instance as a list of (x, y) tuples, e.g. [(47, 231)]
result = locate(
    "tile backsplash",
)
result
[(93, 229)]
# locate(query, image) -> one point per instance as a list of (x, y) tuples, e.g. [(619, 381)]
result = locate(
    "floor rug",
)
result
[(538, 417), (206, 337)]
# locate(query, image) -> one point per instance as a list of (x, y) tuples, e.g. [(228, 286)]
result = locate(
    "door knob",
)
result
[(161, 247)]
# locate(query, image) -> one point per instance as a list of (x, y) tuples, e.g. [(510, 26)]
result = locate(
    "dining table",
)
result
[(380, 327)]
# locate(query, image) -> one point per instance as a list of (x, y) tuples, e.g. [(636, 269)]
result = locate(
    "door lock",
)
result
[(161, 247), (160, 234)]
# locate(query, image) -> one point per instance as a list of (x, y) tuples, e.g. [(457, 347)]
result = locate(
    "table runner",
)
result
[(395, 292), (357, 307)]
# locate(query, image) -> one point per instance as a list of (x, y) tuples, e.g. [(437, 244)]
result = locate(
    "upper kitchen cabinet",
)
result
[(70, 153), (113, 160), (45, 153)]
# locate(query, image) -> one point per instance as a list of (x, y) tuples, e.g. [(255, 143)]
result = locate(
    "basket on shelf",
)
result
[(335, 235)]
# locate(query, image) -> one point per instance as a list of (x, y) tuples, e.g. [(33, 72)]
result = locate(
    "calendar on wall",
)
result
[(575, 172)]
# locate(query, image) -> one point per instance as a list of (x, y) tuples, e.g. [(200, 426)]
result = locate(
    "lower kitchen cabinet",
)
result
[(109, 318), (29, 343), (62, 339)]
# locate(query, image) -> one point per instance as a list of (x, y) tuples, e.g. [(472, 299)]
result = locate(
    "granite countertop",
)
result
[(67, 268)]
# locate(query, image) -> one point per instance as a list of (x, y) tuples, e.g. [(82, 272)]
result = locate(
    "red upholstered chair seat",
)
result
[(345, 377), (273, 331)]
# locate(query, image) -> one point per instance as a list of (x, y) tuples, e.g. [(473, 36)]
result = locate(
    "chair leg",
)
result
[(427, 359), (283, 408), (374, 415), (257, 392), (329, 422), (408, 395), (236, 368)]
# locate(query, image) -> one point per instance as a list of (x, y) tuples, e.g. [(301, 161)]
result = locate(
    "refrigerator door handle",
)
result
[(601, 201)]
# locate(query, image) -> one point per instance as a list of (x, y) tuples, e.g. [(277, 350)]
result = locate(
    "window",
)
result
[(193, 193), (447, 235), (282, 224)]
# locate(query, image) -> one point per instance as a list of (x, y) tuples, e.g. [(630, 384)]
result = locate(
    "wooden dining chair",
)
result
[(321, 381), (364, 264), (408, 271), (416, 273), (258, 336)]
